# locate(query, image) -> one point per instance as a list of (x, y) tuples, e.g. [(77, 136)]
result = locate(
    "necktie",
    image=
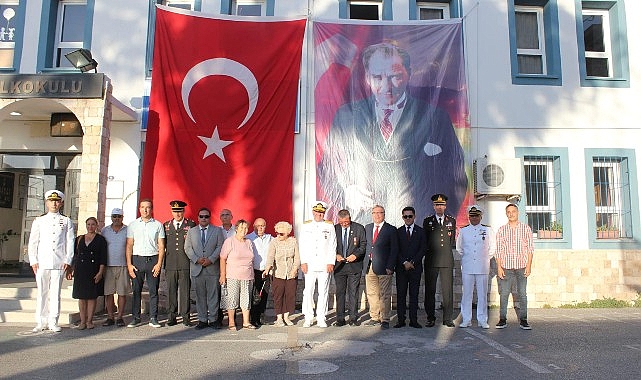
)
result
[(344, 241), (203, 236), (440, 221), (409, 233), (375, 234), (386, 124)]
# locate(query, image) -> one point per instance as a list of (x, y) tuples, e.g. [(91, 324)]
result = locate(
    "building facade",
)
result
[(551, 92)]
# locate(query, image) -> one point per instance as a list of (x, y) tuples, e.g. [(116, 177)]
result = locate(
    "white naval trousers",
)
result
[(469, 281), (49, 282), (323, 279)]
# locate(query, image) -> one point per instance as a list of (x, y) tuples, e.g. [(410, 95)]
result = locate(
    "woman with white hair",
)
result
[(284, 259)]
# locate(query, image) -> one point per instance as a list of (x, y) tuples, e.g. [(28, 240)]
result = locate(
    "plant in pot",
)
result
[(553, 231), (606, 231)]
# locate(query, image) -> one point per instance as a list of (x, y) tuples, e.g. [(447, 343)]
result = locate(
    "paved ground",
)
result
[(565, 344)]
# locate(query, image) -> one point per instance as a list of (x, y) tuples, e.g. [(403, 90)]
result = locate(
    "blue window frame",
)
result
[(247, 7), (433, 9), (384, 7), (546, 196), (534, 42), (602, 38), (67, 26), (11, 34), (612, 198)]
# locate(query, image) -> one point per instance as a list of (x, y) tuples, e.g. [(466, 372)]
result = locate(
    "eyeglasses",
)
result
[(408, 216), (116, 216), (204, 216)]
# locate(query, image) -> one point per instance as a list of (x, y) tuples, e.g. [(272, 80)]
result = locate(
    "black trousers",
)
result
[(347, 286), (407, 280), (431, 276), (145, 265), (178, 286), (258, 308)]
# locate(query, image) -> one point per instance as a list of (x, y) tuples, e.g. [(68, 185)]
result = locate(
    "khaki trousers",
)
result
[(379, 295)]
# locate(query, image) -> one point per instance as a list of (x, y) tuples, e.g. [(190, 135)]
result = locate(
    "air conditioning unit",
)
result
[(498, 176)]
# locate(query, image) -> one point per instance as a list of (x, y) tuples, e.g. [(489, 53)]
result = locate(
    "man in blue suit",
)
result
[(412, 247), (380, 262)]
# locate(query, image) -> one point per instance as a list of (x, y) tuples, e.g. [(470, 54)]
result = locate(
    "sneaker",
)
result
[(502, 324), (134, 323), (308, 323), (484, 326), (524, 325), (38, 328), (465, 324), (321, 324), (153, 322), (109, 322), (55, 328), (120, 322)]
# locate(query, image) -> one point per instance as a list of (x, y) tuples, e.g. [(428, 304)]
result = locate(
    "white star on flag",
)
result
[(214, 145)]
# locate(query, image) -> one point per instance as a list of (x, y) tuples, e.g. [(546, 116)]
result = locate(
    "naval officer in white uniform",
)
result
[(50, 254), (476, 244)]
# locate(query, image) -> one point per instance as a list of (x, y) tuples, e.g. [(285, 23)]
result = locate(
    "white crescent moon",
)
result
[(221, 66)]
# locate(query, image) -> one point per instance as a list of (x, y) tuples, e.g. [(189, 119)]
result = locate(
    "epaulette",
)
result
[(330, 222), (307, 221), (61, 214), (485, 225), (44, 214)]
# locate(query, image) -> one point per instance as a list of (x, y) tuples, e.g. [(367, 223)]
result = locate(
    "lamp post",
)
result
[(82, 60)]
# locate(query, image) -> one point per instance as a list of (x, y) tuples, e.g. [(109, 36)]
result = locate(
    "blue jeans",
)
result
[(512, 275)]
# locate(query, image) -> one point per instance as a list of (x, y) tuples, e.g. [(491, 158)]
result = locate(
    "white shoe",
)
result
[(308, 323), (322, 324), (465, 324), (55, 328), (38, 328), (279, 323), (484, 325)]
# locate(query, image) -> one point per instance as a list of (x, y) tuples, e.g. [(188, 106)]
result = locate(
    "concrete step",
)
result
[(28, 317)]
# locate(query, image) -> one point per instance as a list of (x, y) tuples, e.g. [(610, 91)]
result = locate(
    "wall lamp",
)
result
[(81, 59)]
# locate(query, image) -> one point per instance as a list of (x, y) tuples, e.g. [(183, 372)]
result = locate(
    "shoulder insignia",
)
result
[(485, 225), (307, 221), (330, 222), (43, 214)]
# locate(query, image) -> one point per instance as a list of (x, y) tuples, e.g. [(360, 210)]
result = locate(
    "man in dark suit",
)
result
[(380, 262), (202, 246), (407, 147), (440, 230), (350, 252), (177, 263), (412, 246)]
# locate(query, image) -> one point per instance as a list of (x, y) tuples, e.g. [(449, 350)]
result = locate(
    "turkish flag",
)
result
[(222, 110)]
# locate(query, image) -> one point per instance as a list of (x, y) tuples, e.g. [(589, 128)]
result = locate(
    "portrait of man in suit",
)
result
[(409, 268), (202, 245), (350, 252), (390, 148)]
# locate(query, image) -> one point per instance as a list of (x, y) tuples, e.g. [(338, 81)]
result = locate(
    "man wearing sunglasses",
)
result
[(177, 263), (116, 277), (202, 245)]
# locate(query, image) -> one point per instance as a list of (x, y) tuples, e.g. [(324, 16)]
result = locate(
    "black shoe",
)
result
[(384, 325), (120, 322), (109, 322), (399, 325), (172, 322), (340, 322), (215, 325), (354, 322), (502, 324), (430, 323), (448, 324), (524, 325), (201, 325), (372, 322), (187, 323), (415, 325), (134, 323)]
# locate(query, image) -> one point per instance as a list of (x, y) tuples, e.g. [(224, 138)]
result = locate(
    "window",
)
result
[(249, 8), (182, 4), (543, 196), (611, 197), (596, 37), (534, 42), (364, 10), (530, 42), (603, 43), (70, 28), (10, 31), (433, 11)]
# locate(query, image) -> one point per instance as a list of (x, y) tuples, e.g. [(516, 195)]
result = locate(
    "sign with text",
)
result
[(84, 86)]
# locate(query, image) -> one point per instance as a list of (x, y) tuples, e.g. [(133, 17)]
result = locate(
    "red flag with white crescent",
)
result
[(222, 109)]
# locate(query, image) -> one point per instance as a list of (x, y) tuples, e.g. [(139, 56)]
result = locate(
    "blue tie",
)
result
[(344, 241), (202, 235)]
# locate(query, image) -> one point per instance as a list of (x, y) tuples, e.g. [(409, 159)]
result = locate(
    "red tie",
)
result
[(386, 125), (375, 235)]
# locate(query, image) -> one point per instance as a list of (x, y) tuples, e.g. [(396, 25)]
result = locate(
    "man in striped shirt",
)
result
[(514, 251)]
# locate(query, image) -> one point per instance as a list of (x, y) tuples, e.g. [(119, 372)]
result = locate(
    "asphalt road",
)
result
[(563, 344)]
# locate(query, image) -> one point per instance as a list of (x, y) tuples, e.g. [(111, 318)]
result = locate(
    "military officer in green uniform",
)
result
[(177, 263)]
